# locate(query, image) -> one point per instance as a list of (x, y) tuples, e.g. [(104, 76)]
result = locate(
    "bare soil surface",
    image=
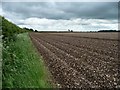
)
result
[(78, 60)]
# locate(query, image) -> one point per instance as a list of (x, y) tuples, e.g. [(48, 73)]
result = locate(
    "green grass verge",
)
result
[(0, 62), (22, 65)]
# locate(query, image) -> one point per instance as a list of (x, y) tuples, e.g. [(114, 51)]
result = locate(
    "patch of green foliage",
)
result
[(22, 66), (0, 25), (9, 30)]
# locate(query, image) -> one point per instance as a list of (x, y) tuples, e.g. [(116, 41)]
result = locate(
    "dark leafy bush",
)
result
[(9, 30)]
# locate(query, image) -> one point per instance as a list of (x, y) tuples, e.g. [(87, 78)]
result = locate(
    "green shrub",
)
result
[(22, 66)]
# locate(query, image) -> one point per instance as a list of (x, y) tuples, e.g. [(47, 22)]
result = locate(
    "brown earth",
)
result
[(80, 60)]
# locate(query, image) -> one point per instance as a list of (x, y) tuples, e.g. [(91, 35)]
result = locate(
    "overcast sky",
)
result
[(84, 16)]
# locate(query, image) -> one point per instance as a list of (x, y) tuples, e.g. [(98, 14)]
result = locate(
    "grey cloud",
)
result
[(93, 10), (74, 15), (63, 10)]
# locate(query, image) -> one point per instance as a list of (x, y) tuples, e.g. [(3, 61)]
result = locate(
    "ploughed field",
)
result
[(78, 60)]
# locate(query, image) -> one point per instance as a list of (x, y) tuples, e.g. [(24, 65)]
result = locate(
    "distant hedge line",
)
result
[(109, 31)]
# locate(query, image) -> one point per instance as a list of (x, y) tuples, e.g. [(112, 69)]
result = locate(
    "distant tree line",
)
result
[(70, 30), (30, 29), (109, 31)]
